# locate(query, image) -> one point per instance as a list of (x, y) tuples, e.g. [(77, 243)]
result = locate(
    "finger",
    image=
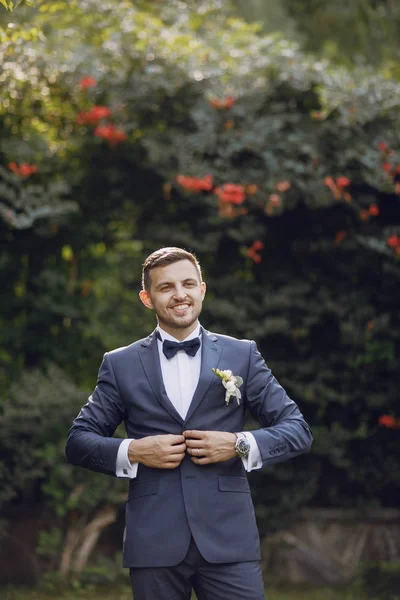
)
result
[(176, 439), (176, 457), (201, 461), (177, 448), (196, 452), (194, 434), (193, 443)]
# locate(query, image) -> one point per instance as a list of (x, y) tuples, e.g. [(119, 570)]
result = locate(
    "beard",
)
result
[(167, 320)]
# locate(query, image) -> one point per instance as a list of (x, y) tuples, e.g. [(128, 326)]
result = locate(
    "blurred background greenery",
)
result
[(264, 137)]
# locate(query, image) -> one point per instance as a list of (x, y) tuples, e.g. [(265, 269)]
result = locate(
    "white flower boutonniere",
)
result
[(231, 383)]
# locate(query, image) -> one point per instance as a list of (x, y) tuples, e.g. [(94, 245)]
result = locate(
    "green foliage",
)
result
[(381, 580), (32, 430), (49, 542), (11, 4), (23, 204), (322, 300), (364, 31)]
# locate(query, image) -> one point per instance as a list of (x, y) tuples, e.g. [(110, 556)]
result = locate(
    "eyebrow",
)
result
[(188, 280)]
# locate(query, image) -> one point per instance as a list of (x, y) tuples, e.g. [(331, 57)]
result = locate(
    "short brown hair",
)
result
[(163, 257)]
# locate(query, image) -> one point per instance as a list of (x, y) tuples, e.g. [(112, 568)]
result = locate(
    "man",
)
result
[(182, 393)]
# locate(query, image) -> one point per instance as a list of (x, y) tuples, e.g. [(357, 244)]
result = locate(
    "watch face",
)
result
[(243, 447)]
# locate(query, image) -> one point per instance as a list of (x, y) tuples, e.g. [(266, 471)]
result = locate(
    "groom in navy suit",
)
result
[(182, 393)]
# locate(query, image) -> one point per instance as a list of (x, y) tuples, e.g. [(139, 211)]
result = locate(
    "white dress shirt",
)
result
[(181, 375)]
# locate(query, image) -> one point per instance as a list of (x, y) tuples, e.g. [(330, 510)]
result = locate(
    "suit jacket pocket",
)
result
[(143, 488), (233, 484)]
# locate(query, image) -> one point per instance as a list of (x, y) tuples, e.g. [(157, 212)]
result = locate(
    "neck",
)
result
[(180, 333)]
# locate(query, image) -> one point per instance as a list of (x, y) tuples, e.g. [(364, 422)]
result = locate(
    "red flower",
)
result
[(93, 116), (393, 241), (283, 186), (342, 182), (100, 112), (231, 192), (364, 215), (252, 251), (387, 421), (110, 133), (275, 199), (24, 170), (387, 167), (87, 82), (382, 146), (258, 245), (374, 210), (337, 188), (196, 184), (226, 103)]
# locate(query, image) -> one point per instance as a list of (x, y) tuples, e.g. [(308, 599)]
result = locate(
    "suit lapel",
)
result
[(210, 353), (151, 364)]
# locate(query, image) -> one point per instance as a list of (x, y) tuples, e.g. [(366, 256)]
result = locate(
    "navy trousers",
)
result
[(227, 581)]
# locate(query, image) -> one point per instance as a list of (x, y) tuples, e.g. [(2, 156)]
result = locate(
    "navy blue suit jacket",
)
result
[(211, 502)]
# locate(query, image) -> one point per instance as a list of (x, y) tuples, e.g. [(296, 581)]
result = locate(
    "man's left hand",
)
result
[(206, 447)]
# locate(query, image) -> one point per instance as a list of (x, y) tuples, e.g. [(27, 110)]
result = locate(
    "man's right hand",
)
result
[(158, 451)]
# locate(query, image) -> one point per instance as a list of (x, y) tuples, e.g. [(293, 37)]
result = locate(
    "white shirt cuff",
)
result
[(123, 467), (254, 460)]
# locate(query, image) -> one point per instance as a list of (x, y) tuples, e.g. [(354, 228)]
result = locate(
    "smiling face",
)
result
[(176, 294)]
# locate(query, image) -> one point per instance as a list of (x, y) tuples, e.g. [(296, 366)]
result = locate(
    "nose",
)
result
[(179, 293)]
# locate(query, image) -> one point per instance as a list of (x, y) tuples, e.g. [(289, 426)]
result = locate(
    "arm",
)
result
[(284, 433), (90, 443)]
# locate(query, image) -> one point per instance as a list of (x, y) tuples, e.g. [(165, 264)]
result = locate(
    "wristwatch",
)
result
[(242, 446)]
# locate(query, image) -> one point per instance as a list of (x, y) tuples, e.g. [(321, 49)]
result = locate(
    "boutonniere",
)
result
[(231, 383)]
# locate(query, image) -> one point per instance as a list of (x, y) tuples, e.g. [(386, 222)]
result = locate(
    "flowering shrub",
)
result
[(24, 170), (111, 134), (87, 82), (226, 103), (285, 184), (93, 116), (389, 422), (252, 252)]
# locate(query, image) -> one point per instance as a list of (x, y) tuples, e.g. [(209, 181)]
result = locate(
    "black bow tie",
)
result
[(171, 348)]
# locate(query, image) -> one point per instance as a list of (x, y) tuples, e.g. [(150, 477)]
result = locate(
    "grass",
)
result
[(124, 593)]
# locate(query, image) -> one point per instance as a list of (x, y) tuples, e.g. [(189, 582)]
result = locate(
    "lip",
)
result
[(181, 305), (180, 310)]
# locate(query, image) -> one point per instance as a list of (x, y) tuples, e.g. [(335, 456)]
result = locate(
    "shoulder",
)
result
[(230, 341), (130, 350)]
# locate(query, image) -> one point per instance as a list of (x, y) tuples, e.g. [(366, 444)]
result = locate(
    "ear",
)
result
[(145, 298), (203, 289)]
